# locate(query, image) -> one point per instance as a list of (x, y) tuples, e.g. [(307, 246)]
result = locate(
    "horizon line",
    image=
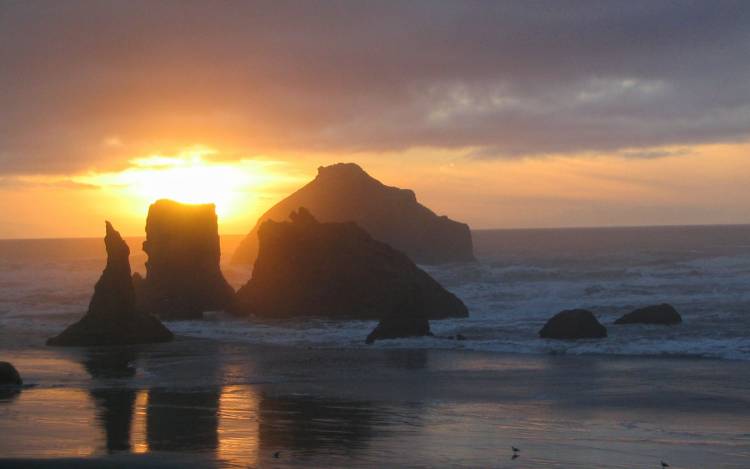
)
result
[(520, 228)]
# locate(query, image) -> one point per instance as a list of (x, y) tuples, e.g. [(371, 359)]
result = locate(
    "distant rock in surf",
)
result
[(663, 314), (335, 270), (573, 324), (112, 318), (183, 278), (402, 321), (344, 192), (9, 375)]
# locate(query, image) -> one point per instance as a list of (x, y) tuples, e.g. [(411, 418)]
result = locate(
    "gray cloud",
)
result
[(508, 79)]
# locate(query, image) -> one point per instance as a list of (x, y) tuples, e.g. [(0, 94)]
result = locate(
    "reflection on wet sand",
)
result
[(168, 420), (49, 422), (236, 424), (182, 420), (114, 406), (416, 359), (186, 418), (310, 425), (114, 409), (8, 394)]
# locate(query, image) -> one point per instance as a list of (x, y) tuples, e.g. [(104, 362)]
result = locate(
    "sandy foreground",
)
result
[(204, 403)]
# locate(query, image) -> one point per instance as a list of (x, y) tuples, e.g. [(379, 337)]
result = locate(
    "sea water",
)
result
[(521, 278)]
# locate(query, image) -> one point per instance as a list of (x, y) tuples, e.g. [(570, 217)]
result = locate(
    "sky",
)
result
[(498, 114)]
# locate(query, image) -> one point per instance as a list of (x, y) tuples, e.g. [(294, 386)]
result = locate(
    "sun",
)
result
[(188, 177)]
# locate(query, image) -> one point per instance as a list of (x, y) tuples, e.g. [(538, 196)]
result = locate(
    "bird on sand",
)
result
[(277, 454), (515, 450), (663, 464)]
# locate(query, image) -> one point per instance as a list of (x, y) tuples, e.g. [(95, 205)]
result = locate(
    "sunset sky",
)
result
[(496, 114)]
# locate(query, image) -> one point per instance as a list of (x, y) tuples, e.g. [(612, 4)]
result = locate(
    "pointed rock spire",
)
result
[(112, 318)]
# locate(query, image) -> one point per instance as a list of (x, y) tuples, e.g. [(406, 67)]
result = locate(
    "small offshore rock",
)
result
[(663, 314), (573, 324), (9, 376), (405, 320)]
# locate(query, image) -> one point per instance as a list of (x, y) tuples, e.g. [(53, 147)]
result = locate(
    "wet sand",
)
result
[(203, 403)]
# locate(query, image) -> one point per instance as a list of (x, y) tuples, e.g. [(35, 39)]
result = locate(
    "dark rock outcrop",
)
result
[(344, 192), (336, 270), (9, 375), (404, 320), (573, 324), (112, 318), (183, 278), (664, 314)]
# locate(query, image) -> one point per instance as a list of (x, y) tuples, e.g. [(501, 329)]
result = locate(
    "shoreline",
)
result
[(235, 404), (35, 339)]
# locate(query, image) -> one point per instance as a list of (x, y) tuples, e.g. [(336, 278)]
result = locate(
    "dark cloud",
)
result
[(504, 78)]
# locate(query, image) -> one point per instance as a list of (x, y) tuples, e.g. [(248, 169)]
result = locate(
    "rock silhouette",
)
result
[(573, 324), (114, 406), (183, 278), (664, 314), (403, 321), (336, 270), (112, 318), (9, 375), (344, 192), (178, 420)]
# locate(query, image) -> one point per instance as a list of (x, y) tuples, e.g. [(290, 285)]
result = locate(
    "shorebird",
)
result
[(277, 454), (514, 457), (515, 450), (663, 464)]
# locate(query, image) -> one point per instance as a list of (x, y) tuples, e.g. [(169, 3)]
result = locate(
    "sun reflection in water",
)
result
[(138, 439), (238, 426)]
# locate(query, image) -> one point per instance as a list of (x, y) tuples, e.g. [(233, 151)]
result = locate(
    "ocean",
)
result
[(522, 278)]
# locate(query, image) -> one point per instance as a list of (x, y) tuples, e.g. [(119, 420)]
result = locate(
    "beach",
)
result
[(235, 405), (234, 392)]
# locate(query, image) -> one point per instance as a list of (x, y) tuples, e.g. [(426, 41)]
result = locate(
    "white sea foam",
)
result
[(510, 293)]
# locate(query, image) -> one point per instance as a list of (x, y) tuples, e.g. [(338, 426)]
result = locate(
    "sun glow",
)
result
[(189, 177)]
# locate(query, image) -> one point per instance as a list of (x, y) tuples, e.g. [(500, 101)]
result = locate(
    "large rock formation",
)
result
[(112, 318), (183, 278), (404, 320), (573, 324), (663, 314), (9, 375), (344, 192), (307, 268)]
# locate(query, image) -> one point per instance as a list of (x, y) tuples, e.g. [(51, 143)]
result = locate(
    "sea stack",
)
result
[(344, 192), (335, 270), (573, 324), (112, 318), (183, 278), (407, 319), (663, 314)]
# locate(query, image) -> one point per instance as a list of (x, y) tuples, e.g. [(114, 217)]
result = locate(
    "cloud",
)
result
[(42, 182), (502, 78), (649, 153)]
